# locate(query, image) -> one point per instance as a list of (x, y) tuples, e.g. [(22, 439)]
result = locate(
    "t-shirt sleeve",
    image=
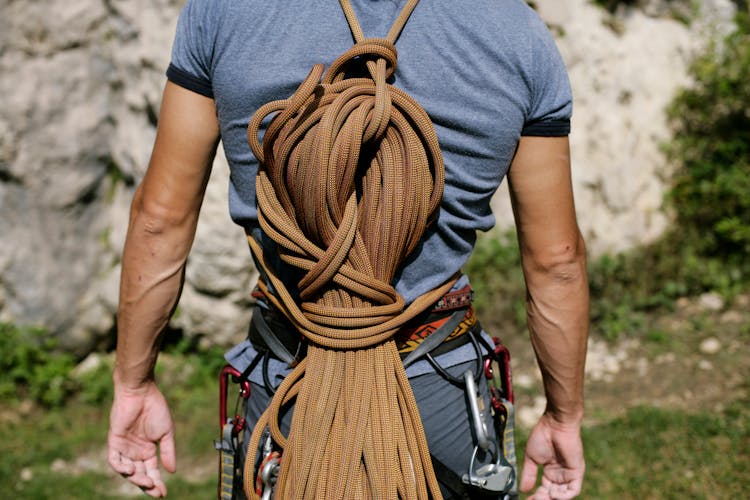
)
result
[(192, 50), (551, 103)]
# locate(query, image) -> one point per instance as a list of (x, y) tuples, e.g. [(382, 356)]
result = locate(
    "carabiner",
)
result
[(500, 357), (269, 471), (496, 477), (477, 415), (227, 372)]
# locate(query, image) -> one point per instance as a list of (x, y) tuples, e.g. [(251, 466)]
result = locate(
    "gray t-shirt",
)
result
[(486, 71)]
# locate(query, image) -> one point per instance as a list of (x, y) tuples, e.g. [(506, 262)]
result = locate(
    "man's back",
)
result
[(486, 72)]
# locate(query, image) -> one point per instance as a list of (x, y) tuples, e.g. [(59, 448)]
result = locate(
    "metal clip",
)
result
[(498, 372), (227, 373), (477, 415), (499, 475), (495, 477), (228, 446), (268, 474)]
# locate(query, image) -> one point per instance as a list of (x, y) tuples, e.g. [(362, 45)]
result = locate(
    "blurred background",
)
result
[(661, 169)]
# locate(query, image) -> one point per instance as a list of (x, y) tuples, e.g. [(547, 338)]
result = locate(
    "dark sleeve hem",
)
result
[(547, 128), (190, 82)]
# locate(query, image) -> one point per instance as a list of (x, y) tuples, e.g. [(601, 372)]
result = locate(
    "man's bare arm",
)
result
[(163, 218), (554, 264)]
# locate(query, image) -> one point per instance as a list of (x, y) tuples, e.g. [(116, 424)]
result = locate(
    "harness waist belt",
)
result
[(452, 317)]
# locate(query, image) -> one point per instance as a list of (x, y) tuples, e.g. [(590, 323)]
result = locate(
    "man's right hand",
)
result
[(558, 449), (139, 423)]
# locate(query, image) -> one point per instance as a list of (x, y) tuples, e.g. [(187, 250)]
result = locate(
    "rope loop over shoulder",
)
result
[(369, 50), (351, 175)]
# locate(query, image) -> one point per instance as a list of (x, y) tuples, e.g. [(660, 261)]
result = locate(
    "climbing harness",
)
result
[(492, 469)]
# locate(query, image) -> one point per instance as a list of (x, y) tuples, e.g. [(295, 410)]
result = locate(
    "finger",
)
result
[(528, 474), (159, 485), (142, 481), (140, 477), (575, 487), (152, 471), (115, 459), (541, 493), (155, 492), (166, 450), (562, 489), (565, 491)]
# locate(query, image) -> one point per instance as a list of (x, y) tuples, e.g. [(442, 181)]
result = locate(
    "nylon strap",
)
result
[(350, 177), (435, 339)]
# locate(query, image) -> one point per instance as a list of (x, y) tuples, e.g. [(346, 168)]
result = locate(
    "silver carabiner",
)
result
[(496, 477), (268, 475), (499, 475), (477, 415)]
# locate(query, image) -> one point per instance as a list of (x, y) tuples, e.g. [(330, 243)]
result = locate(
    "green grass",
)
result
[(647, 453), (653, 453), (659, 453), (32, 439)]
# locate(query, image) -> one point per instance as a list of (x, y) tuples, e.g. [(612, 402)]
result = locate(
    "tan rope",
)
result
[(351, 175)]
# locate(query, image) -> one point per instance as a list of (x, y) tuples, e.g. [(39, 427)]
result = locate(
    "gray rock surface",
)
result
[(80, 82), (624, 70)]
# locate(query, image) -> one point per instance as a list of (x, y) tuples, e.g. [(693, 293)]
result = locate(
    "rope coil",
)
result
[(350, 176)]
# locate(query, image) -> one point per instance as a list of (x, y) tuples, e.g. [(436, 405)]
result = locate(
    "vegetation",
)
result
[(59, 452), (497, 278), (707, 247), (660, 453), (54, 420), (645, 453), (711, 120), (32, 366)]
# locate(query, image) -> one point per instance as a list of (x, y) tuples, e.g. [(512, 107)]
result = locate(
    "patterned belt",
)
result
[(457, 299), (409, 338)]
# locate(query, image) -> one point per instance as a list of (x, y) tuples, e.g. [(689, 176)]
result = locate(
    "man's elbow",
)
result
[(562, 263), (155, 218)]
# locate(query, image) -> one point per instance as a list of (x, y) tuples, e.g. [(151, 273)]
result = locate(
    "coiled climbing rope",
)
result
[(350, 177)]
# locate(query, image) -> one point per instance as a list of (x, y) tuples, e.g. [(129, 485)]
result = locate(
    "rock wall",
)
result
[(624, 70), (80, 84)]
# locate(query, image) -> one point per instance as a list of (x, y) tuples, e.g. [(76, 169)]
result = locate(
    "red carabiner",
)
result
[(227, 372), (502, 355)]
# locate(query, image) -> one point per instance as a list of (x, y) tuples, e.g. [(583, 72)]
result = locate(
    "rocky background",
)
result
[(80, 84)]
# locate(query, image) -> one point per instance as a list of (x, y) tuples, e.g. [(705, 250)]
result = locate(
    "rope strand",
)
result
[(350, 177)]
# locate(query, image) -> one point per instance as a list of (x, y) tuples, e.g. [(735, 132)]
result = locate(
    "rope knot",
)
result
[(378, 56), (368, 51)]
